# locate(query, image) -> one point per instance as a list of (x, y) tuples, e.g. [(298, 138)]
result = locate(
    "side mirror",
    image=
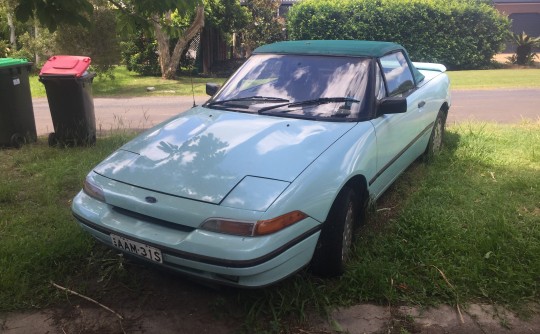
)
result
[(212, 88), (392, 105)]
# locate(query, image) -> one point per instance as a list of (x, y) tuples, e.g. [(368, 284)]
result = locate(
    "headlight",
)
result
[(253, 229), (93, 190)]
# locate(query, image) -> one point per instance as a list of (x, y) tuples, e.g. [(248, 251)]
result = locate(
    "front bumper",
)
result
[(227, 259)]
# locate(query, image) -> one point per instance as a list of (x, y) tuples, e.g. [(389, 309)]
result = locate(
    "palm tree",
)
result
[(524, 50)]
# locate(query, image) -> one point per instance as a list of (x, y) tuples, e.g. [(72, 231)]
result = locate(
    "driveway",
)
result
[(503, 106)]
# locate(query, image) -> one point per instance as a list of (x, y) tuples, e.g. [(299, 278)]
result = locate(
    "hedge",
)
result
[(461, 34)]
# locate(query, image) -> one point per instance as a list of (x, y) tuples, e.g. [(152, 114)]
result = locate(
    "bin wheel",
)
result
[(92, 140), (18, 140), (53, 139)]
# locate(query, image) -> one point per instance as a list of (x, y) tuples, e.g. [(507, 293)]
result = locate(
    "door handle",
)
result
[(421, 104)]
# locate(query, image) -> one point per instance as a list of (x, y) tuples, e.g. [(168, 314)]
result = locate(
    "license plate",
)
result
[(138, 248)]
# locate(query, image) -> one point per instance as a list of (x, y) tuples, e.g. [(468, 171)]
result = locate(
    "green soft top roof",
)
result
[(337, 48)]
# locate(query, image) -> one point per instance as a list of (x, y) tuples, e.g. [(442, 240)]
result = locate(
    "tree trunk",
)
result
[(523, 52), (12, 35), (36, 37), (169, 61)]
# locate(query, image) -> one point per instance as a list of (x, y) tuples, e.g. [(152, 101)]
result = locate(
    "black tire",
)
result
[(91, 140), (436, 139), (17, 140), (335, 242), (53, 140)]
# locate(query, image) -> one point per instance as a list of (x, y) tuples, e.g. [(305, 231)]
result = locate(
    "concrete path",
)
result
[(504, 106), (476, 319), (359, 319)]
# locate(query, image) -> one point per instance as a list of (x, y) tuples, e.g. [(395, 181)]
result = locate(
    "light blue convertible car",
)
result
[(274, 172)]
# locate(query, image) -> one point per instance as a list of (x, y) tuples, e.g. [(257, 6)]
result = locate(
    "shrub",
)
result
[(99, 41), (140, 55), (460, 34)]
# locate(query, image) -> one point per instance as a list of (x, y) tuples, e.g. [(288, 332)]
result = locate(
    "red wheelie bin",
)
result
[(69, 92)]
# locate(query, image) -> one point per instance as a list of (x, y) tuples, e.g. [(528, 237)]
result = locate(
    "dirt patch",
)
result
[(503, 59), (162, 302), (152, 301)]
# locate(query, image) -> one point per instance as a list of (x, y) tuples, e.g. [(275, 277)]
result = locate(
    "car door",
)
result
[(397, 134)]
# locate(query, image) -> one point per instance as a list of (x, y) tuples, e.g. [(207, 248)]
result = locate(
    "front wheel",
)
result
[(436, 139), (336, 239)]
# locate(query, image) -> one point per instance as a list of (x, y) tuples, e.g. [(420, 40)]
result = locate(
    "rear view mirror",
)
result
[(392, 105), (212, 88)]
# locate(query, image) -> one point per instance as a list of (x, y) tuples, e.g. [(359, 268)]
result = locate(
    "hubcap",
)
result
[(437, 137), (347, 233)]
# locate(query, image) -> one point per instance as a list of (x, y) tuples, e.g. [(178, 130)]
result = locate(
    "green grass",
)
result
[(128, 83), (474, 216), (495, 79), (465, 228), (39, 241)]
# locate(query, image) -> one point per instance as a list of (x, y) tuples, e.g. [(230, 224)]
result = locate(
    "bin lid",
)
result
[(66, 66), (8, 62)]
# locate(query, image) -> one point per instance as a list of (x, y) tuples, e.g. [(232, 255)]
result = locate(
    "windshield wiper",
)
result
[(321, 100), (250, 98)]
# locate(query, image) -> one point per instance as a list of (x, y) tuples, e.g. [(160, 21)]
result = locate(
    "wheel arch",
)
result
[(445, 108), (360, 186)]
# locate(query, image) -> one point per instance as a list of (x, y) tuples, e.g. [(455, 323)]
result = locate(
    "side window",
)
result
[(397, 73)]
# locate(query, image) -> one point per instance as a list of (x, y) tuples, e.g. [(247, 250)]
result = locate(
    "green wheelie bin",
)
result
[(17, 123), (69, 92)]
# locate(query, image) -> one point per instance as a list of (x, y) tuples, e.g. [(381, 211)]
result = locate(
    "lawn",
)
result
[(126, 83), (464, 228), (495, 79)]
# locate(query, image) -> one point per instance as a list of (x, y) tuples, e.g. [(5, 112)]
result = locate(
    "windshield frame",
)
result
[(362, 111)]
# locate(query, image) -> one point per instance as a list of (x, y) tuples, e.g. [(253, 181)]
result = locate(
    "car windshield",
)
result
[(297, 86)]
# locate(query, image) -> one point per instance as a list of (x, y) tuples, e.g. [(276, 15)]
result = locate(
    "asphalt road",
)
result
[(503, 106), (122, 113)]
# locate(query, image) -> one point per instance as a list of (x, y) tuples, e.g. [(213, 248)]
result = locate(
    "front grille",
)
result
[(153, 220)]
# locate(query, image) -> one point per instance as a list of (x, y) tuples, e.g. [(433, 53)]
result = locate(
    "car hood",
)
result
[(204, 153)]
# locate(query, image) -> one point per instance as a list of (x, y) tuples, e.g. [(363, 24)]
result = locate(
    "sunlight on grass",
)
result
[(128, 83), (495, 79)]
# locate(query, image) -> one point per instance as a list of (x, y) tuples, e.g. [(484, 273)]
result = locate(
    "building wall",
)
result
[(525, 16), (509, 8), (527, 22)]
